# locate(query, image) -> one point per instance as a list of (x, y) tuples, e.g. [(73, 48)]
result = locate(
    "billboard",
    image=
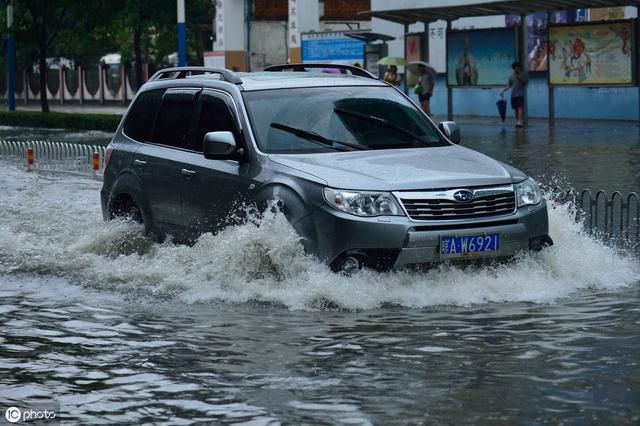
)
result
[(414, 47), (480, 57), (536, 25), (332, 47), (591, 54)]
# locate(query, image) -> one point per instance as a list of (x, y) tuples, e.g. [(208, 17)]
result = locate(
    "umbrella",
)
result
[(414, 68), (502, 108), (392, 60)]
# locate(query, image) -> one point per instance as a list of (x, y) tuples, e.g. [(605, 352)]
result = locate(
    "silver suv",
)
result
[(361, 173)]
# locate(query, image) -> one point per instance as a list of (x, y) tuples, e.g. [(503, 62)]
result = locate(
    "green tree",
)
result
[(45, 18), (141, 30), (150, 26)]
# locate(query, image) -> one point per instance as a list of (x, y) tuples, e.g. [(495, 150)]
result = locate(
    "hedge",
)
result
[(60, 120)]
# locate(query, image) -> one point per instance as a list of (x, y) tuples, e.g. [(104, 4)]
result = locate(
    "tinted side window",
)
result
[(174, 118), (215, 116), (142, 114)]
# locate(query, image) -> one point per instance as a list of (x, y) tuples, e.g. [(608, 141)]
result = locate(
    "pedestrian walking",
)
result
[(517, 83), (426, 85)]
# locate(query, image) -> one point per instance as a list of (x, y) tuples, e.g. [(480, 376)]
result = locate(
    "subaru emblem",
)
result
[(463, 195)]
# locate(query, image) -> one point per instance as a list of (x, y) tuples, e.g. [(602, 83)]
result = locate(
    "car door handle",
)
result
[(187, 172), (139, 163)]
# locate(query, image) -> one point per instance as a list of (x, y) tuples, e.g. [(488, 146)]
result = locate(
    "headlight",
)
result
[(528, 193), (361, 203)]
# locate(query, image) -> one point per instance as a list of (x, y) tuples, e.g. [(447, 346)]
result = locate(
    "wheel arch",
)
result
[(296, 208), (127, 186)]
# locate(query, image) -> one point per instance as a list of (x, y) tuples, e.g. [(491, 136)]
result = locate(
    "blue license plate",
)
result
[(469, 245)]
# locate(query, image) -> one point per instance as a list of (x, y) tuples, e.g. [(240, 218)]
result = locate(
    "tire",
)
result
[(127, 209)]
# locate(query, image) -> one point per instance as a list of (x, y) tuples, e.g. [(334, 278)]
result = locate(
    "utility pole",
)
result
[(11, 56), (182, 48)]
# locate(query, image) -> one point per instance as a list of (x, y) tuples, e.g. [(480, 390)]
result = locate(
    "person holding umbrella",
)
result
[(427, 81), (391, 76), (517, 83)]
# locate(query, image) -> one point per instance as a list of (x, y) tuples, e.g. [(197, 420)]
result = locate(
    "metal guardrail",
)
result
[(614, 218), (54, 156)]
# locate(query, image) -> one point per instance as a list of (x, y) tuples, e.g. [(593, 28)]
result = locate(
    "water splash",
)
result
[(53, 226)]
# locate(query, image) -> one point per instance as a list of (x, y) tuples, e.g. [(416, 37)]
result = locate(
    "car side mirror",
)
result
[(451, 130), (219, 146)]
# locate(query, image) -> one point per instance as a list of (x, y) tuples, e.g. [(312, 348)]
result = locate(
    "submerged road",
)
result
[(106, 326)]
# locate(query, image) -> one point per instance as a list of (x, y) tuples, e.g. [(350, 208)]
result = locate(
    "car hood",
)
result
[(403, 169)]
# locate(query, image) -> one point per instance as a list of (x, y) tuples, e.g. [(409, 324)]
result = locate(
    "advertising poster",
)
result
[(606, 14), (591, 54), (570, 16), (480, 57), (414, 47), (536, 24)]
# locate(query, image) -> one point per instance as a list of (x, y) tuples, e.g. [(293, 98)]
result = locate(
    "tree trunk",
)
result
[(42, 66), (40, 29), (137, 55)]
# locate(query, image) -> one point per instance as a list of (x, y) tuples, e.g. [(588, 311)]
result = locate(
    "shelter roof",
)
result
[(452, 10)]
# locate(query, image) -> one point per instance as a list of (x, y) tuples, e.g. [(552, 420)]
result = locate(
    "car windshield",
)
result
[(329, 119)]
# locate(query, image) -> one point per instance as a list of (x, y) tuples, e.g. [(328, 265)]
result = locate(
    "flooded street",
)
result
[(120, 357), (243, 327), (581, 155)]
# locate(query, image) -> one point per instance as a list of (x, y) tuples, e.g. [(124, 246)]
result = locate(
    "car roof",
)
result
[(281, 80), (253, 81)]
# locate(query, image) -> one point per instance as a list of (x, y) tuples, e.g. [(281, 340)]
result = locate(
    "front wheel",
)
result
[(127, 211), (125, 208)]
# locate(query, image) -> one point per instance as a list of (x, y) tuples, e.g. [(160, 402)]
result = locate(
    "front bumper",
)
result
[(401, 242)]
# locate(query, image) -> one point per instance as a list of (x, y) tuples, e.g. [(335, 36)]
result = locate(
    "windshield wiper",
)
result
[(382, 121), (315, 137)]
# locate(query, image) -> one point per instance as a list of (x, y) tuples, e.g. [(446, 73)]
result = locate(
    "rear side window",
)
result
[(174, 118), (215, 116), (142, 114)]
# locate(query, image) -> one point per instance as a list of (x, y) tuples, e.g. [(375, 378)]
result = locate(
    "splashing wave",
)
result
[(52, 225)]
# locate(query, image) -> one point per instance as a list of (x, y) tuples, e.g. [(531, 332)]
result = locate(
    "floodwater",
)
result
[(582, 155), (243, 327)]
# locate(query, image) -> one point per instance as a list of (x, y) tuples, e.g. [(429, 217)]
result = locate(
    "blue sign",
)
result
[(333, 47)]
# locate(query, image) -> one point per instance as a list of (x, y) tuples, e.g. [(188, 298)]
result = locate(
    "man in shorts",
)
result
[(517, 83)]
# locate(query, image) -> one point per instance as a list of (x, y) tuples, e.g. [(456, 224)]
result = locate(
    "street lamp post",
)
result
[(11, 64), (182, 49)]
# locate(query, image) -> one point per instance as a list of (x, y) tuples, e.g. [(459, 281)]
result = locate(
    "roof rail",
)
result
[(303, 67), (182, 72)]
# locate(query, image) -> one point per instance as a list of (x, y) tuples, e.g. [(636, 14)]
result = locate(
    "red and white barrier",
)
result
[(54, 156), (30, 159)]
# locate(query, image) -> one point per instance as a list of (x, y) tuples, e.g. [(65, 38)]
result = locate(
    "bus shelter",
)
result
[(569, 64)]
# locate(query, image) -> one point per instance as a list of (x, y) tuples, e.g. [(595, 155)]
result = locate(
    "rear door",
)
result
[(214, 192), (160, 162)]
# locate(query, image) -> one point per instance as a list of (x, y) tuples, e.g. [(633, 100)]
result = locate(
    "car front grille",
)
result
[(442, 206)]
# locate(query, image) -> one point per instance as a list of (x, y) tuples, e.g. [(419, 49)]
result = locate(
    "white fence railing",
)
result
[(54, 156)]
